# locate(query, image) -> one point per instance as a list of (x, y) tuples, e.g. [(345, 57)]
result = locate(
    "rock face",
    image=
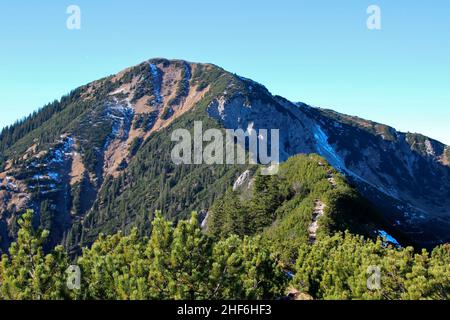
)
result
[(243, 178), (60, 161), (403, 174), (96, 130)]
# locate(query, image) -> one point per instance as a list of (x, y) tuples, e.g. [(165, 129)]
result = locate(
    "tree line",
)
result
[(182, 262)]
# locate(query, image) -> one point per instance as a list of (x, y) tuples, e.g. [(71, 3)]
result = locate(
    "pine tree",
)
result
[(158, 254), (189, 261), (29, 274), (46, 215)]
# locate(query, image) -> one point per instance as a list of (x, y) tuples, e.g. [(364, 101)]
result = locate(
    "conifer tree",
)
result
[(27, 273)]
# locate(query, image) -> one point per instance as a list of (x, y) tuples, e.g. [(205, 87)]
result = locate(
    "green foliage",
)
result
[(201, 86), (146, 87), (281, 206), (183, 85), (184, 263), (250, 236), (27, 273), (244, 268), (149, 180), (71, 115), (229, 216), (153, 182), (232, 215), (167, 113), (11, 134), (336, 267), (112, 268), (178, 263), (145, 121)]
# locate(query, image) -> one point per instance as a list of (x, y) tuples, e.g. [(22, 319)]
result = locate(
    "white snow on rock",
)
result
[(326, 150), (54, 176), (387, 237), (243, 178), (204, 223), (58, 157), (156, 82), (122, 116), (60, 152), (429, 148)]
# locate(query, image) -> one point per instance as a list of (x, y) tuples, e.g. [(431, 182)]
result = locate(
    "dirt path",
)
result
[(331, 179), (330, 175), (319, 208)]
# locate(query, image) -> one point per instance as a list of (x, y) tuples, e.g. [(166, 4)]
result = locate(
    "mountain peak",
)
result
[(78, 161)]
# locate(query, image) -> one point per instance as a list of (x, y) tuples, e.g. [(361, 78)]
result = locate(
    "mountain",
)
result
[(98, 160), (304, 202)]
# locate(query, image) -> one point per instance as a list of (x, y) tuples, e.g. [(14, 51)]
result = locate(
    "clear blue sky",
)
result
[(316, 51)]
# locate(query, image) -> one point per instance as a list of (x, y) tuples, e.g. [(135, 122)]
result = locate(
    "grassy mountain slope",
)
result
[(306, 201)]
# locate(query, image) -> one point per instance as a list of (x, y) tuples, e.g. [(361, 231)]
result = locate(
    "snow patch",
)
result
[(241, 180), (204, 223), (429, 148), (326, 150), (387, 237), (121, 116), (156, 82), (58, 155), (54, 176)]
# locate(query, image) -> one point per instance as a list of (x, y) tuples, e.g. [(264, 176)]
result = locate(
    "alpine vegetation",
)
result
[(180, 180)]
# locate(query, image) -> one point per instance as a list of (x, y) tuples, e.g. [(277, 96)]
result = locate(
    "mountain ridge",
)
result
[(89, 143)]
